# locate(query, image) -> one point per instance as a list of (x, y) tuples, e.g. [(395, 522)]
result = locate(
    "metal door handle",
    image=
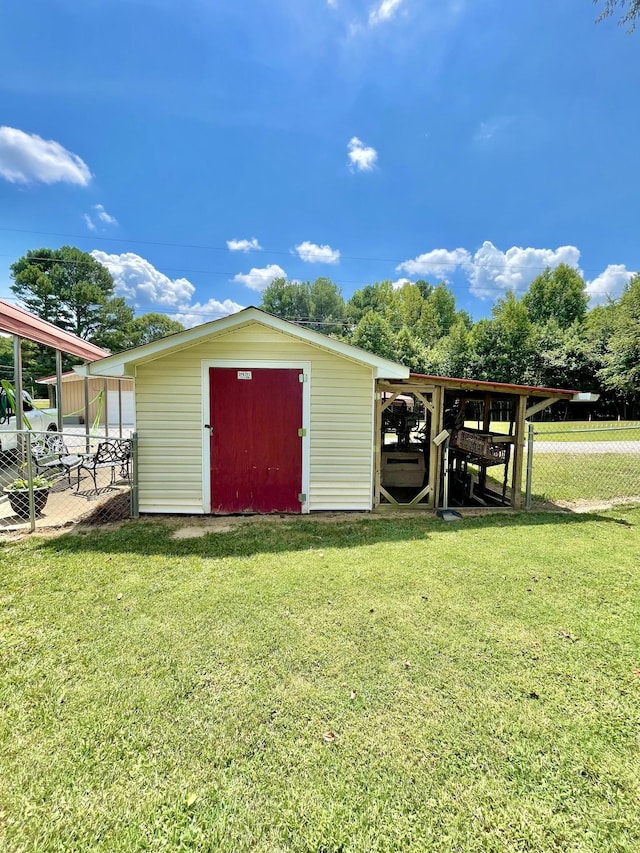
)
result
[(209, 427)]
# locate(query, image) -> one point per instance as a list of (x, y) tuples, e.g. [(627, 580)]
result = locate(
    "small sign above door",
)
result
[(244, 374)]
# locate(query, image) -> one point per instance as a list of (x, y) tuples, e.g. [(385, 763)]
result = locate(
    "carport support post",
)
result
[(87, 425), (59, 389), (120, 407), (518, 458), (17, 386), (17, 381), (106, 408)]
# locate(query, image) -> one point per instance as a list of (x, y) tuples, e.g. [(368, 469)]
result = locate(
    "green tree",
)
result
[(621, 371), (557, 294), (629, 8), (410, 351), (327, 306), (503, 347), (374, 297), (67, 287), (444, 304), (452, 355), (152, 326), (374, 334), (287, 299), (70, 289)]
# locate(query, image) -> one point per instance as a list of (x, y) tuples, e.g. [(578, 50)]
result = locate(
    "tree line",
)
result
[(547, 337)]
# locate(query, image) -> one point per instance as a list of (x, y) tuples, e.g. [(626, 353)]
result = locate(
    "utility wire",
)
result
[(204, 247)]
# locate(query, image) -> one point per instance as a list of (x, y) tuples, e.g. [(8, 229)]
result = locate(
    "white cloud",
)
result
[(103, 216), (609, 283), (516, 268), (397, 285), (197, 313), (439, 262), (489, 269), (27, 158), (147, 288), (363, 157), (142, 284), (383, 11), (100, 215), (332, 3), (243, 245), (259, 279), (311, 253)]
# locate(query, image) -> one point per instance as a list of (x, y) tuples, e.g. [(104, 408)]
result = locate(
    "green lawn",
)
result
[(587, 431), (481, 679), (575, 430)]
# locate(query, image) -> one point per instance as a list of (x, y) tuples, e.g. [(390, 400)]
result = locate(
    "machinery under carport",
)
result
[(453, 442)]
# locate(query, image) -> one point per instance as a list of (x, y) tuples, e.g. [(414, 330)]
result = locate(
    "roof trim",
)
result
[(17, 321), (471, 384), (116, 365)]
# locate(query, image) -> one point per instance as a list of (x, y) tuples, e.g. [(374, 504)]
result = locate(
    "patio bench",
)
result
[(51, 455), (113, 454)]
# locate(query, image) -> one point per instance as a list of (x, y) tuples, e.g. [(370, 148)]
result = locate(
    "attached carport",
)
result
[(461, 437)]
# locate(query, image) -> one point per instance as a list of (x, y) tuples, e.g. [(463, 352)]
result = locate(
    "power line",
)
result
[(204, 247), (491, 286)]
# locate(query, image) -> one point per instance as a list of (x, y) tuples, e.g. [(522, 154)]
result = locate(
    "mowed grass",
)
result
[(587, 431), (577, 477), (574, 430), (481, 679)]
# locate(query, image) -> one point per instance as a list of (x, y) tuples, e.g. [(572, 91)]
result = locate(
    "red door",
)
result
[(256, 452)]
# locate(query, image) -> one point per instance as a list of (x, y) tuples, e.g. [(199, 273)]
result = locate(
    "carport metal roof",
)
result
[(17, 321)]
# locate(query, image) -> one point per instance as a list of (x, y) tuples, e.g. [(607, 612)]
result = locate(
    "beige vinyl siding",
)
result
[(73, 396), (169, 420)]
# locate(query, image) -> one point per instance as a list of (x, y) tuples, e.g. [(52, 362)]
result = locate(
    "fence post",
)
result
[(530, 434), (135, 513), (32, 504)]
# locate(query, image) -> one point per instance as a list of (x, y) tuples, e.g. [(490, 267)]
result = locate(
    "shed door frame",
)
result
[(255, 364)]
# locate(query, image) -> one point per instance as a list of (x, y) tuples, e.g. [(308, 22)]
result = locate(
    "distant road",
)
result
[(569, 447)]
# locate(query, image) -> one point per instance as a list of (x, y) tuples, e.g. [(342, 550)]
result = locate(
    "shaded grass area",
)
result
[(173, 695)]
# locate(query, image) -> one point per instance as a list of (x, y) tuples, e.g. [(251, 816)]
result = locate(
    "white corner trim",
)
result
[(255, 364)]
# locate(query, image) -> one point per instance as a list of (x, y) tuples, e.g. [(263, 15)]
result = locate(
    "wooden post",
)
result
[(518, 453), (434, 452)]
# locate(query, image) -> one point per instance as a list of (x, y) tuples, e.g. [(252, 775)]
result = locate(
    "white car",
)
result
[(40, 420)]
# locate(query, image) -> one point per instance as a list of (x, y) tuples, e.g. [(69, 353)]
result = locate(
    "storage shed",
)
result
[(251, 413), (109, 399)]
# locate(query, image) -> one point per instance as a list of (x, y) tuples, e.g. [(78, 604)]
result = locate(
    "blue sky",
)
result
[(359, 139)]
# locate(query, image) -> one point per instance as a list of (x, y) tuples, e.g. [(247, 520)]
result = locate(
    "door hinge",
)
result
[(302, 377), (302, 432), (302, 498)]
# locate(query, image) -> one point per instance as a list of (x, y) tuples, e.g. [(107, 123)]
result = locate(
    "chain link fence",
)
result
[(573, 465), (52, 479)]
